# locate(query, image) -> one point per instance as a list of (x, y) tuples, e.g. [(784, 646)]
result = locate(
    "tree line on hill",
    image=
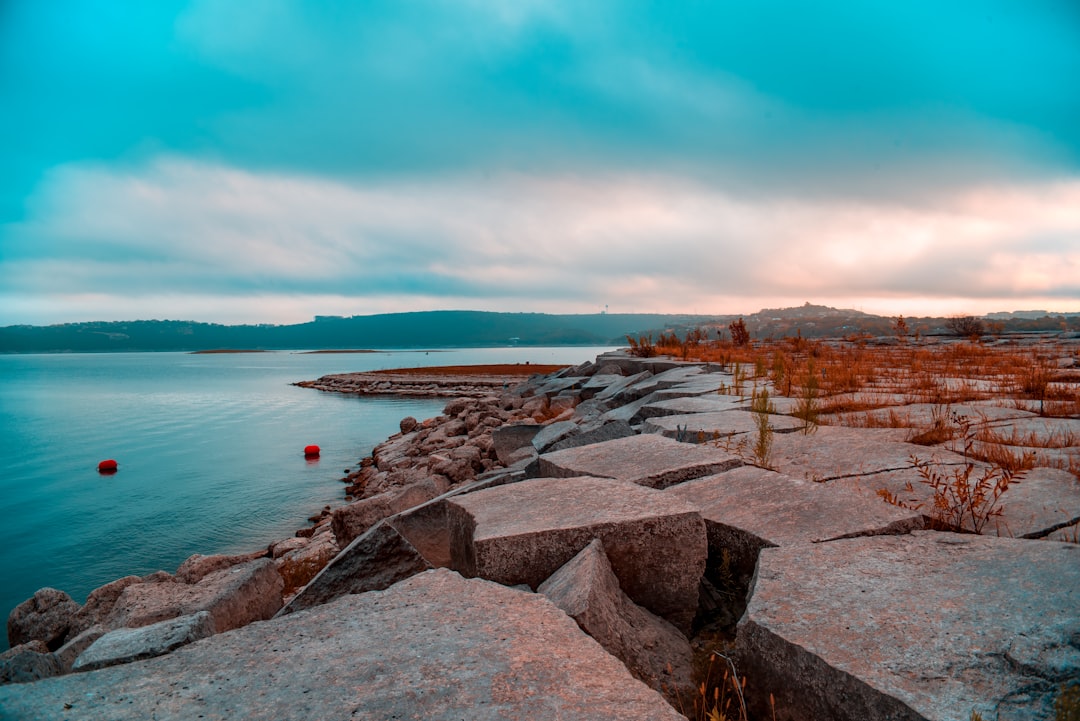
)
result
[(455, 329)]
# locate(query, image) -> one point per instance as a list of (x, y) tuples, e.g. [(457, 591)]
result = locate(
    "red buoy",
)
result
[(311, 451), (107, 466)]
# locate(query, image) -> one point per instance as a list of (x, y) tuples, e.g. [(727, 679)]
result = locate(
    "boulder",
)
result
[(125, 645), (692, 404), (749, 508), (198, 567), (699, 427), (99, 604), (70, 651), (355, 519), (648, 460), (653, 650), (31, 661), (921, 626), (512, 437), (408, 424), (47, 616), (372, 562), (618, 392), (234, 596), (524, 532), (298, 566), (551, 434), (832, 452), (606, 432), (435, 647)]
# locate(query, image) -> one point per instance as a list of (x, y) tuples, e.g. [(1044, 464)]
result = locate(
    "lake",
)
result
[(210, 453)]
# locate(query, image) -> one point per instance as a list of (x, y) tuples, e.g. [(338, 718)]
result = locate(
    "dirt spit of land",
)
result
[(468, 381)]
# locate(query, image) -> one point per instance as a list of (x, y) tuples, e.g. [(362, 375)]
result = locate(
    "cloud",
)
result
[(180, 230)]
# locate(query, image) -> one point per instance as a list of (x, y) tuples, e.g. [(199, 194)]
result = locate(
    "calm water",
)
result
[(210, 450)]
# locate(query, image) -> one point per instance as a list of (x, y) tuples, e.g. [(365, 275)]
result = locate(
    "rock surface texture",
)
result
[(434, 647), (656, 543), (924, 626)]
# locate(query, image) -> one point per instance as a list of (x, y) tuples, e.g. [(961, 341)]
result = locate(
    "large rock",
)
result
[(605, 432), (512, 437), (653, 650), (703, 427), (99, 604), (234, 596), (648, 460), (356, 518), (551, 434), (692, 404), (749, 508), (374, 561), (1039, 503), (47, 616), (125, 645), (434, 647), (523, 533), (923, 626), (31, 661), (832, 452)]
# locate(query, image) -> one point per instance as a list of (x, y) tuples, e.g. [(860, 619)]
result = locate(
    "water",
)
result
[(210, 449)]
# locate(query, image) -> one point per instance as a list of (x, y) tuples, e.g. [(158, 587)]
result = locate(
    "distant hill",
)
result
[(457, 329), (436, 329)]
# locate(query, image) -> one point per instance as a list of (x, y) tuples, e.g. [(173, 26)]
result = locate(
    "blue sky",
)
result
[(268, 161)]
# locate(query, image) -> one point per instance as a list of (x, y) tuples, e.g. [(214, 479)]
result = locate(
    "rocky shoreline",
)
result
[(577, 493)]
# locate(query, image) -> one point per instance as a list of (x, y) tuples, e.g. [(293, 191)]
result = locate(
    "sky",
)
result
[(266, 161)]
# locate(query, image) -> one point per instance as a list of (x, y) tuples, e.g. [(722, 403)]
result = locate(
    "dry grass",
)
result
[(841, 382)]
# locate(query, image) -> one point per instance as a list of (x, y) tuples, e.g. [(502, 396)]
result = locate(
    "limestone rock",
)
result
[(355, 519), (653, 650), (125, 645), (27, 662), (234, 596), (46, 616), (606, 432), (299, 566), (551, 434), (713, 425), (99, 604), (70, 651), (648, 460), (749, 508), (656, 543), (372, 562), (408, 424), (922, 626), (510, 438), (198, 567), (434, 647)]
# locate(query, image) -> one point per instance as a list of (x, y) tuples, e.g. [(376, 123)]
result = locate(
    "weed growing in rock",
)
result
[(807, 407), (1067, 704), (957, 500), (762, 408)]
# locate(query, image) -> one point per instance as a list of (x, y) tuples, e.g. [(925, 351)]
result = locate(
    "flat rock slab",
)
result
[(782, 511), (372, 562), (710, 383), (524, 532), (749, 508), (1043, 501), (435, 647), (835, 452), (692, 404), (648, 460), (923, 626), (922, 415), (707, 426), (125, 645)]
